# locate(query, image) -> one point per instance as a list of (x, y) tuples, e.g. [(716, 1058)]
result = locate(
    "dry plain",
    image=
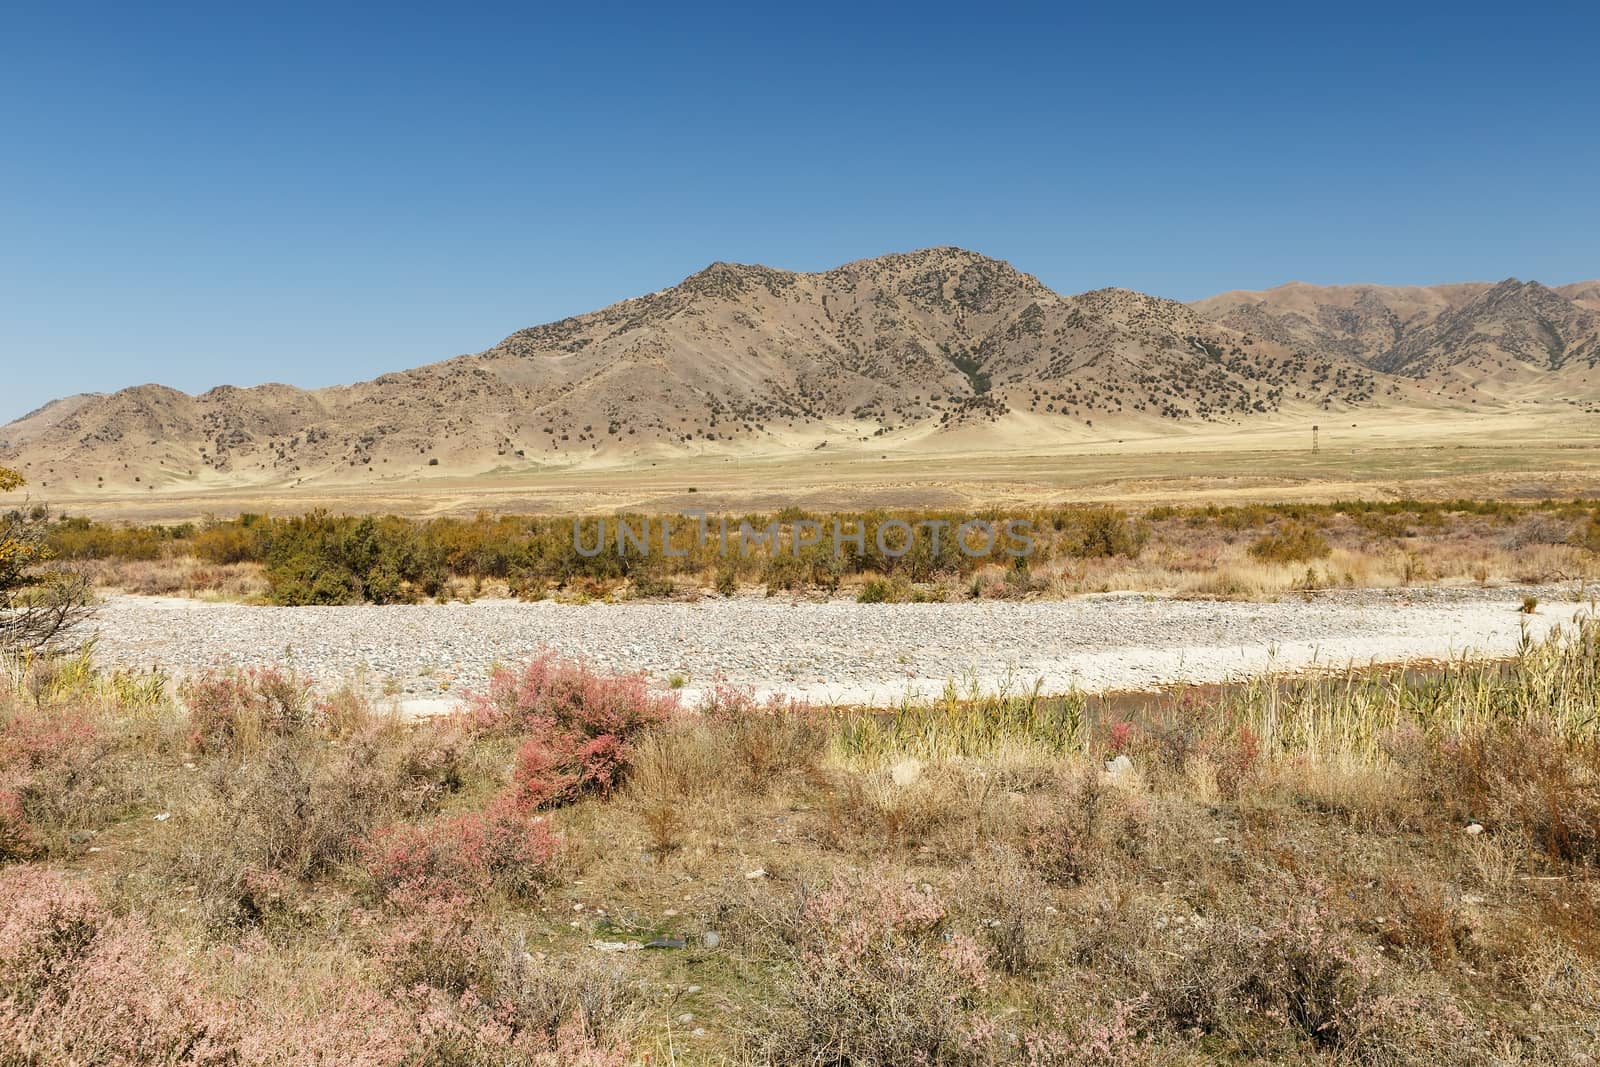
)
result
[(1538, 452), (1323, 868)]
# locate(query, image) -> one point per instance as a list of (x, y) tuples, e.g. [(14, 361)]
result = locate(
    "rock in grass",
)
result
[(665, 942)]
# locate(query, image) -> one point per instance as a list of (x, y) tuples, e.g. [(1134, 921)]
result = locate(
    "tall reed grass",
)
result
[(1552, 685), (966, 722)]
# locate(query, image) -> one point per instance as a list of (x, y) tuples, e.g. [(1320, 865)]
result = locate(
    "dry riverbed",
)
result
[(835, 652)]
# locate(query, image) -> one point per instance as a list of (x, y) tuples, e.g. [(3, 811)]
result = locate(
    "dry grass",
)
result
[(1287, 873), (180, 576)]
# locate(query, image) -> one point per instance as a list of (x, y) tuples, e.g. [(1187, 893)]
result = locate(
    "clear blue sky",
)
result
[(195, 195)]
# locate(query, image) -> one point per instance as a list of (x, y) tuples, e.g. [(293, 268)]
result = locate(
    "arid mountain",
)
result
[(1513, 337), (1584, 294), (902, 349)]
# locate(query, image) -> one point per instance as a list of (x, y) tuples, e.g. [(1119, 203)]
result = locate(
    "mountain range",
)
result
[(900, 349)]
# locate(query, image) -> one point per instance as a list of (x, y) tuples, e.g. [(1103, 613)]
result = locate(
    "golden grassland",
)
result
[(1507, 454), (1372, 868)]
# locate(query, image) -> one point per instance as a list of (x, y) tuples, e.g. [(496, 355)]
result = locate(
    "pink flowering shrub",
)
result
[(769, 738), (121, 1006), (731, 705), (859, 918), (435, 944), (17, 840), (228, 709), (254, 834), (579, 725), (59, 772), (47, 926), (553, 691), (32, 739), (502, 848), (1122, 738), (1081, 1040), (77, 986), (468, 1031), (352, 1026)]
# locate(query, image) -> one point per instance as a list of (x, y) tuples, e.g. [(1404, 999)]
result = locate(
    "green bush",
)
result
[(1294, 543), (876, 591), (1100, 533)]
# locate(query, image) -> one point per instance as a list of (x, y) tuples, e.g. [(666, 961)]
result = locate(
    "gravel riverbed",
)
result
[(835, 652)]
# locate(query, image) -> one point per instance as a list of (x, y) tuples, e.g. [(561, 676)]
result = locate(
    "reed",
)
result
[(966, 722)]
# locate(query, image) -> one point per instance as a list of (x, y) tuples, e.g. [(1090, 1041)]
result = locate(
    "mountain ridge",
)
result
[(896, 348)]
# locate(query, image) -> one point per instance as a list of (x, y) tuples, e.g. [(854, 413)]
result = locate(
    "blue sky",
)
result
[(195, 195)]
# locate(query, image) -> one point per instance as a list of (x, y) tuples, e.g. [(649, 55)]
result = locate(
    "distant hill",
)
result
[(1510, 338), (903, 348)]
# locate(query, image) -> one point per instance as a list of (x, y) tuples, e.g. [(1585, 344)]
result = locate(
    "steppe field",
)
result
[(1532, 451), (1265, 756)]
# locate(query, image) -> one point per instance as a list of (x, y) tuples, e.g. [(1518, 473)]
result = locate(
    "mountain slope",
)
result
[(1514, 336), (893, 347), (899, 348)]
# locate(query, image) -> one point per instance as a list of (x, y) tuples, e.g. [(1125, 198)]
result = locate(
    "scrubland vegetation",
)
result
[(1381, 868), (1243, 551)]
